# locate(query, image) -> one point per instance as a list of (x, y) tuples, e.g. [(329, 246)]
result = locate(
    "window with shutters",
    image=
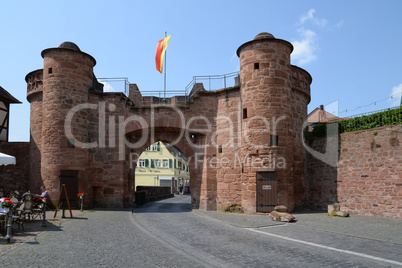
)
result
[(165, 163), (157, 163)]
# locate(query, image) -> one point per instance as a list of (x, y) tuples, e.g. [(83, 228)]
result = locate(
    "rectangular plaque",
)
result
[(266, 187)]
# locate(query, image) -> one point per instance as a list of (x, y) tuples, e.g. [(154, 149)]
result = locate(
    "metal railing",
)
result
[(214, 82), (176, 97), (118, 84), (372, 112)]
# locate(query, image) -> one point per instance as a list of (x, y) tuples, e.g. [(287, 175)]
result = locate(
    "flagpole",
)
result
[(164, 85)]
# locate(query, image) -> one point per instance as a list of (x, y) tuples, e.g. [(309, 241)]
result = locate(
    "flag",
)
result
[(160, 52)]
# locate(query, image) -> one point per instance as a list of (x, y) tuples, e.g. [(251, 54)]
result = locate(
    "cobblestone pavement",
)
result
[(168, 233), (33, 228)]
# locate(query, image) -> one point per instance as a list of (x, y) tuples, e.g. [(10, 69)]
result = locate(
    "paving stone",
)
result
[(168, 233)]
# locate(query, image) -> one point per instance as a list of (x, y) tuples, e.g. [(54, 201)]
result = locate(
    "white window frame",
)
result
[(157, 163), (165, 163), (155, 147), (141, 163)]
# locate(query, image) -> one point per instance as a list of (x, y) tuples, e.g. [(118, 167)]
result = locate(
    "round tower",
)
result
[(67, 78), (34, 96), (267, 123)]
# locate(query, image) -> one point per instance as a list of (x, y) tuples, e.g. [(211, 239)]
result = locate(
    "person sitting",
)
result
[(44, 193)]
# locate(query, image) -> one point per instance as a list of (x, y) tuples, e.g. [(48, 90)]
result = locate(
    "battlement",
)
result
[(34, 82)]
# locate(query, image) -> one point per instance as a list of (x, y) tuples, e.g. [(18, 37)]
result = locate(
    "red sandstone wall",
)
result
[(67, 78), (110, 178), (228, 158), (35, 97), (321, 179), (15, 177), (108, 181), (301, 81), (266, 93), (368, 177)]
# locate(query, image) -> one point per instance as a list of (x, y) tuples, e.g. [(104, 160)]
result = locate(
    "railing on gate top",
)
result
[(214, 82), (177, 97), (118, 84)]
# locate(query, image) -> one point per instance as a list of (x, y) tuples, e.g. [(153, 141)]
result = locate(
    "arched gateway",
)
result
[(243, 143)]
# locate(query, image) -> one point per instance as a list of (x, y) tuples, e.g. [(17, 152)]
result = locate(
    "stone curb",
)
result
[(239, 220)]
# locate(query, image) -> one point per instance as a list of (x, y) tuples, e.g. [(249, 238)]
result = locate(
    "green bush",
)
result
[(386, 118)]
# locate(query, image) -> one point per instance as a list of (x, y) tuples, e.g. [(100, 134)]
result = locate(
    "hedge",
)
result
[(386, 118)]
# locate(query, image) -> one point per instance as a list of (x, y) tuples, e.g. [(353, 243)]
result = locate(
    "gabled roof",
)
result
[(7, 97), (320, 116), (175, 152)]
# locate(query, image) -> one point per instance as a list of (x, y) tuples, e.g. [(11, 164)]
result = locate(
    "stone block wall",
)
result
[(321, 183), (16, 177), (226, 155), (368, 177)]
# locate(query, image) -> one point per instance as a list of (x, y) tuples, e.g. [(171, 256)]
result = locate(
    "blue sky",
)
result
[(352, 49)]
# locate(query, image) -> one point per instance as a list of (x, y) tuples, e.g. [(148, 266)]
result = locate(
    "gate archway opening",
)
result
[(188, 169)]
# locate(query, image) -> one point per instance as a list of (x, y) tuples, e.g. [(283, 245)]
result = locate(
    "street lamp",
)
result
[(44, 215)]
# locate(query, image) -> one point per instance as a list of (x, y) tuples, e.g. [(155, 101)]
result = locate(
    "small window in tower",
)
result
[(70, 144), (274, 140), (50, 70), (256, 66), (220, 149), (244, 113)]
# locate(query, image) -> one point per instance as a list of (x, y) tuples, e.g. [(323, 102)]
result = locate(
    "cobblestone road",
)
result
[(168, 234)]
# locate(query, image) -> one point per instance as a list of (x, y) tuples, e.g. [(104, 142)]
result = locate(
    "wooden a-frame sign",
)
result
[(63, 187)]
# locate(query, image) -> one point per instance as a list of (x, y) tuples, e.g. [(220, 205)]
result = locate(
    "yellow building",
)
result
[(160, 165)]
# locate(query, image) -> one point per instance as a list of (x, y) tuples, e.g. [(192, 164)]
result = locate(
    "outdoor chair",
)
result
[(14, 199), (18, 215), (28, 210), (37, 211)]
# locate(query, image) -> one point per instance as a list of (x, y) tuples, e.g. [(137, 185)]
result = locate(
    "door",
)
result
[(267, 191), (70, 179)]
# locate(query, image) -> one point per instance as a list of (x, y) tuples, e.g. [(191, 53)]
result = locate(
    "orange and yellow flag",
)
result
[(160, 52)]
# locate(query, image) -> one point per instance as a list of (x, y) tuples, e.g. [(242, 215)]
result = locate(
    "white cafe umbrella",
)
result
[(6, 159)]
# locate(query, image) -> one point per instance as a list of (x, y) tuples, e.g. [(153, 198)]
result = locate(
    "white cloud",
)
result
[(304, 50), (107, 87), (310, 17), (396, 95)]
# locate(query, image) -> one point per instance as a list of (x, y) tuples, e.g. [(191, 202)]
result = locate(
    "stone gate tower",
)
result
[(240, 135), (274, 97), (53, 92)]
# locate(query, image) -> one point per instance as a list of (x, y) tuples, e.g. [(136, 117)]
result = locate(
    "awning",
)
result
[(6, 159)]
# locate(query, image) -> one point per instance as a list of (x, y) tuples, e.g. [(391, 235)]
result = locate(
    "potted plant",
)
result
[(6, 204)]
